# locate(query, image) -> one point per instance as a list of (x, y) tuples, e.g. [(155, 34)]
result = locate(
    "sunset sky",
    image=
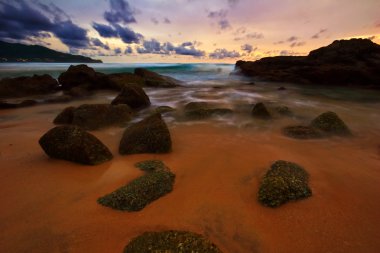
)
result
[(187, 30)]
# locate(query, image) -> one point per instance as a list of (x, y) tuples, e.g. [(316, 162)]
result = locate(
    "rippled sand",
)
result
[(50, 206)]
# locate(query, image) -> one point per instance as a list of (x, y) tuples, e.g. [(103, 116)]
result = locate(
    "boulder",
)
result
[(151, 165), (133, 96), (72, 143), (125, 79), (140, 192), (260, 111), (150, 135), (27, 86), (283, 182), (302, 132), (344, 62), (204, 110), (153, 79), (283, 110), (171, 241), (95, 116), (331, 124)]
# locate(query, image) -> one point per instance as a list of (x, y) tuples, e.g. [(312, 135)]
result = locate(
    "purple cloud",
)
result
[(222, 53), (121, 12)]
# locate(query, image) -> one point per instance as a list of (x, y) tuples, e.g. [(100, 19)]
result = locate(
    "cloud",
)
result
[(127, 35), (248, 48), (120, 12), (224, 24), (167, 21), (232, 3), (254, 35), (218, 14), (297, 44), (98, 43), (318, 34), (117, 51), (240, 30), (221, 17), (222, 53), (128, 50), (155, 47), (21, 20), (154, 21), (105, 31), (292, 38)]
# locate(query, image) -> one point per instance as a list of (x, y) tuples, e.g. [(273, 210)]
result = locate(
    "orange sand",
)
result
[(50, 206)]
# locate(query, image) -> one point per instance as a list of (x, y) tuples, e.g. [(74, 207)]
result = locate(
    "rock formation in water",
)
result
[(133, 96), (151, 135), (344, 62), (171, 241), (72, 143), (260, 111), (283, 182)]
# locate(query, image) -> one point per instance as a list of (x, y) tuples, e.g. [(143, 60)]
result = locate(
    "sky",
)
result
[(176, 31)]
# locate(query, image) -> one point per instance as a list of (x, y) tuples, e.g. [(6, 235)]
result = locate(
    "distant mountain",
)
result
[(15, 52)]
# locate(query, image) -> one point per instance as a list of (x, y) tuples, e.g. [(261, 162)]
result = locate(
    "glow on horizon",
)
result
[(268, 27)]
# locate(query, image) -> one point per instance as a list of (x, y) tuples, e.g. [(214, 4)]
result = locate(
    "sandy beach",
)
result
[(50, 205)]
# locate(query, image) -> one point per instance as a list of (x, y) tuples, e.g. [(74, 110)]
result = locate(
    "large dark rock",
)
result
[(150, 135), (95, 116), (331, 124), (85, 77), (344, 62), (153, 79), (133, 96), (284, 181), (125, 79), (260, 111), (204, 110), (72, 143), (171, 241), (26, 86), (140, 192)]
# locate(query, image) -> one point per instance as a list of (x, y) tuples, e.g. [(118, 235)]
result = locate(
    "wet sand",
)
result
[(50, 205)]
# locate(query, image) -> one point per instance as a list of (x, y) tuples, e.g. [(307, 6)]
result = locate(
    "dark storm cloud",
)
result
[(105, 31), (120, 12), (318, 34), (155, 47), (222, 53), (127, 35), (20, 20)]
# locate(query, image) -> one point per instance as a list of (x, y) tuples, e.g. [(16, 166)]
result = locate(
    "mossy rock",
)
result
[(164, 109), (171, 241), (302, 132), (140, 192), (95, 116), (260, 111), (72, 143), (284, 181), (151, 165), (150, 135), (284, 110), (331, 124)]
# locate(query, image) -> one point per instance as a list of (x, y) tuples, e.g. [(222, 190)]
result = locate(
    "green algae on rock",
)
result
[(151, 135), (331, 124), (302, 132), (151, 165), (260, 111), (171, 241), (140, 192), (283, 182), (72, 143)]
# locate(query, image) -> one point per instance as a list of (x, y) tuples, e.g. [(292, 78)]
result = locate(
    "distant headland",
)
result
[(15, 52)]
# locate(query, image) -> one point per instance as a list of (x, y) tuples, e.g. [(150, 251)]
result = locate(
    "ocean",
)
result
[(51, 205)]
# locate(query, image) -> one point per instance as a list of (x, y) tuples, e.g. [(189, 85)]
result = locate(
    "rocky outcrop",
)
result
[(344, 62), (152, 79), (26, 86), (171, 241), (283, 182), (150, 135), (331, 124), (140, 192), (125, 79), (95, 116), (133, 96), (259, 111), (72, 143)]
